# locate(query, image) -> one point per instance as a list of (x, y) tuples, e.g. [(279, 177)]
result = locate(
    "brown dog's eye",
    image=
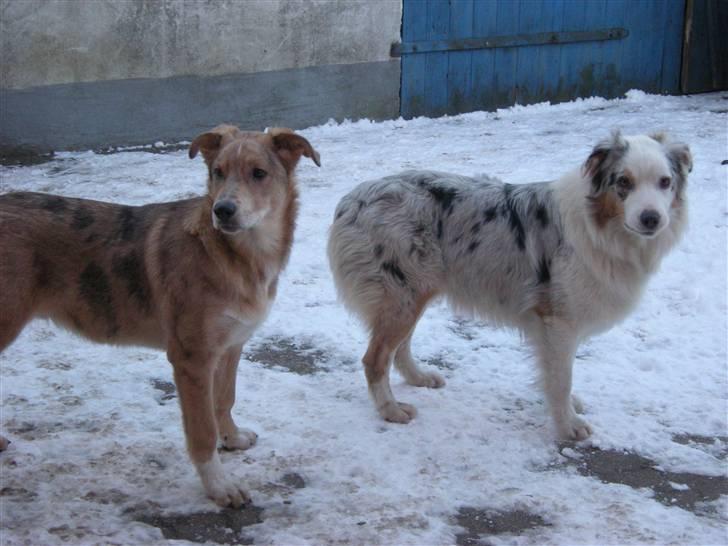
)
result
[(259, 174), (665, 182), (217, 173)]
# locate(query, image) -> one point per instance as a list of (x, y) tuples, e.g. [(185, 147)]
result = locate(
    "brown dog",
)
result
[(194, 277)]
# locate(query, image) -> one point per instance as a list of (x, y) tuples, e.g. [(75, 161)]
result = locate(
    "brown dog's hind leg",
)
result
[(390, 329), (9, 330), (15, 311), (194, 379), (231, 436)]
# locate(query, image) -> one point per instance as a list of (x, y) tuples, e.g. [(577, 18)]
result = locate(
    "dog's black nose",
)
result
[(650, 219), (224, 210)]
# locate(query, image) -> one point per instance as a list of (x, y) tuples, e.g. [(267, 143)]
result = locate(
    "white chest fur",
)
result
[(240, 322), (239, 326)]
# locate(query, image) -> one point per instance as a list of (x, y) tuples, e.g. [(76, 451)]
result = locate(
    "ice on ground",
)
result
[(98, 453)]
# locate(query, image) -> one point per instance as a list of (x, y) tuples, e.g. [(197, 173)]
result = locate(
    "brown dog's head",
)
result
[(250, 173)]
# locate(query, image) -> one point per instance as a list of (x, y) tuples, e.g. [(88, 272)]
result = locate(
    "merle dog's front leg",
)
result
[(555, 343)]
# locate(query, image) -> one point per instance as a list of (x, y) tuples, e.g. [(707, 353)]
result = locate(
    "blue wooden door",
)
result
[(465, 55)]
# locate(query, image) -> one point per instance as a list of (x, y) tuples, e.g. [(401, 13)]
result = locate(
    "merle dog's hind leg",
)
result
[(413, 374), (393, 324)]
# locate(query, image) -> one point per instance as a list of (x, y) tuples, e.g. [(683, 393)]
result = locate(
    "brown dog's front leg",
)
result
[(194, 379), (231, 436)]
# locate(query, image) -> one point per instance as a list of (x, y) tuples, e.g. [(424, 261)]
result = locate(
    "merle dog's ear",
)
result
[(614, 144), (678, 153), (210, 143), (290, 147), (680, 157), (602, 158)]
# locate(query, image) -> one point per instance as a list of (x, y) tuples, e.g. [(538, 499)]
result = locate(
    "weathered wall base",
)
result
[(143, 111)]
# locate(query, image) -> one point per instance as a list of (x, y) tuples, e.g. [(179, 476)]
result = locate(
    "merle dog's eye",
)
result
[(217, 173), (259, 174), (624, 183), (665, 182)]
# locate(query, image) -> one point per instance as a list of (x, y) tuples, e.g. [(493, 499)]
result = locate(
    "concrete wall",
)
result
[(91, 73)]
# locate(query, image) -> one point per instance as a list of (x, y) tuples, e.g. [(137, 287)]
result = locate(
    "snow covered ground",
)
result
[(97, 437)]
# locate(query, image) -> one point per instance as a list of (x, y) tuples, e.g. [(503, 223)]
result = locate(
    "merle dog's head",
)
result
[(638, 181)]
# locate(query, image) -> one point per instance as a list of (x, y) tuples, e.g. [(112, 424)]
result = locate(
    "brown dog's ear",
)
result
[(208, 144), (212, 142), (290, 147)]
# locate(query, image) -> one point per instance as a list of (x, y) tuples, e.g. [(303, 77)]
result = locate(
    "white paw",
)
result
[(398, 412), (242, 438), (577, 403), (228, 494), (432, 380), (574, 428), (219, 487)]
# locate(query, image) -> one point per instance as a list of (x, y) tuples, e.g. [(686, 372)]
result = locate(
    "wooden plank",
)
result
[(687, 42), (719, 43), (666, 70), (649, 54), (550, 61), (459, 62), (706, 57), (628, 61), (510, 68), (574, 16), (671, 50), (591, 55), (522, 39), (412, 93), (527, 58), (438, 26), (483, 61), (611, 82), (504, 81)]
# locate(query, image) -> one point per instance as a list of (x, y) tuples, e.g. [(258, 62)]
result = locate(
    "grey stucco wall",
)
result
[(75, 73)]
